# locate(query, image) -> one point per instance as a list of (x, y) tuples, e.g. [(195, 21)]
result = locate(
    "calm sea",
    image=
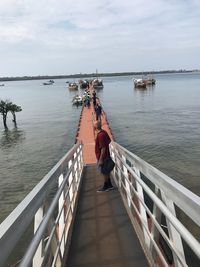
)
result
[(160, 125)]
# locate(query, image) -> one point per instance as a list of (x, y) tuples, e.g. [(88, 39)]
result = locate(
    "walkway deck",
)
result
[(103, 234), (86, 133)]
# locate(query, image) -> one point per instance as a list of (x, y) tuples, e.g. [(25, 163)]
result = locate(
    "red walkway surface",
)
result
[(86, 133)]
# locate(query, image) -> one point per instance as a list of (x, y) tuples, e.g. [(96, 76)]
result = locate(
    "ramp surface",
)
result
[(103, 234)]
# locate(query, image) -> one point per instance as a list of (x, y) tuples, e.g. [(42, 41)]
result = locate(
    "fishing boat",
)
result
[(97, 83), (77, 100), (84, 84), (139, 83), (73, 86), (149, 80), (50, 82)]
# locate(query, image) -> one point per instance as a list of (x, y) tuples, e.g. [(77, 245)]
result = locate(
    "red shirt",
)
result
[(102, 141)]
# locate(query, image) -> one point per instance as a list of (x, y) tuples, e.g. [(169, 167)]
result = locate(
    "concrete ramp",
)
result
[(103, 234)]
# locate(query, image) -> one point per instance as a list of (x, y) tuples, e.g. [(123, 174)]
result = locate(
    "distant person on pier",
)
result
[(88, 101), (98, 111), (94, 98), (104, 161)]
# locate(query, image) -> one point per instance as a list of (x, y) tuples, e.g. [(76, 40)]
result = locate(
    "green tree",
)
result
[(4, 109), (7, 106), (13, 109)]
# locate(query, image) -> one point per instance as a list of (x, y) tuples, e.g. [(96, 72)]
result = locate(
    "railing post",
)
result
[(127, 185), (113, 156), (173, 233), (142, 209), (61, 224), (155, 233), (38, 257), (71, 188), (119, 169)]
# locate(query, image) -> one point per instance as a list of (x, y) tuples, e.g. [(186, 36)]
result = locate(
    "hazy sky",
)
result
[(40, 37)]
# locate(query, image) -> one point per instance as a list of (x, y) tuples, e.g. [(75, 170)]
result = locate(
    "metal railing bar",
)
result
[(55, 256), (53, 232), (184, 198), (187, 236), (16, 223), (66, 194), (60, 241), (56, 222), (37, 238), (159, 228), (58, 217), (147, 231), (49, 242)]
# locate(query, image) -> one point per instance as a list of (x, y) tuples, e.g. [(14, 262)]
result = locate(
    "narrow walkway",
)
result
[(86, 133), (103, 235)]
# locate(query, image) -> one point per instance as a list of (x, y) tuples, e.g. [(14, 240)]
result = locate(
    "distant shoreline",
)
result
[(92, 75)]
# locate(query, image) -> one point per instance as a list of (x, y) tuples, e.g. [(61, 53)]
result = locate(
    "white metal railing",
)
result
[(140, 184), (49, 208)]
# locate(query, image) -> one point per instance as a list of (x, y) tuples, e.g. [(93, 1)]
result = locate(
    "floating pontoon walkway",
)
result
[(86, 133), (102, 234)]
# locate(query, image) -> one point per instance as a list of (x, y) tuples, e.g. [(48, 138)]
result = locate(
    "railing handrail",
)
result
[(188, 237), (16, 223), (150, 196), (38, 236), (181, 196)]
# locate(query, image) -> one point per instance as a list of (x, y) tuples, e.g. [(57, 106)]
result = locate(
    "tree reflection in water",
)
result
[(10, 138)]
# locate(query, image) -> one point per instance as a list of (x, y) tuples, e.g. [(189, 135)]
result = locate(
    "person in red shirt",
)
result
[(102, 152)]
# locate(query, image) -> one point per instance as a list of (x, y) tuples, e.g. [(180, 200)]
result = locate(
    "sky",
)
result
[(58, 37)]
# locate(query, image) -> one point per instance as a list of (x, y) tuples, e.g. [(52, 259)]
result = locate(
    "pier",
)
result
[(70, 224), (102, 234)]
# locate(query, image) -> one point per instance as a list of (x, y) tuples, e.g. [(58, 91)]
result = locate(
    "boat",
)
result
[(149, 80), (139, 83), (2, 84), (48, 83), (84, 84), (73, 86), (77, 100), (97, 83)]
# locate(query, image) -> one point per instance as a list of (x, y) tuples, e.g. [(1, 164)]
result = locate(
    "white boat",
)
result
[(149, 80), (139, 83), (73, 86), (97, 83), (84, 84), (48, 83), (77, 100)]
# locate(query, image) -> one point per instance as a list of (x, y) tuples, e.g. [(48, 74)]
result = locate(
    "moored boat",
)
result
[(73, 86), (150, 80), (50, 82), (139, 83), (77, 100), (84, 84), (97, 83)]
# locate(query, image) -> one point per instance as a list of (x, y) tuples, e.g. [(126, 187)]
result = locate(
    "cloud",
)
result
[(118, 27)]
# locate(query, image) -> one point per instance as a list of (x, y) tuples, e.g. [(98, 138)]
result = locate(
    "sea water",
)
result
[(159, 124)]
